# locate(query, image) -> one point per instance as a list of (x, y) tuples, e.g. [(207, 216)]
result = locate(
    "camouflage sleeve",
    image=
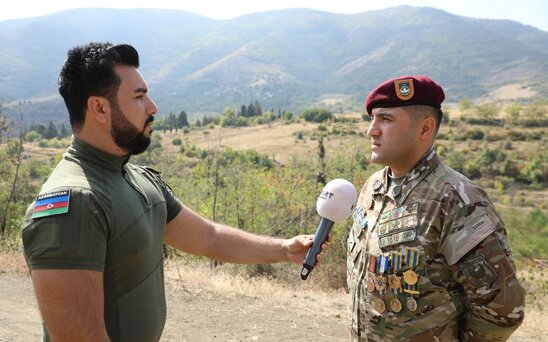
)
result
[(493, 298)]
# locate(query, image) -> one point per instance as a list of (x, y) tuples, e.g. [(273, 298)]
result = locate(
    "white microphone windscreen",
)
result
[(337, 200)]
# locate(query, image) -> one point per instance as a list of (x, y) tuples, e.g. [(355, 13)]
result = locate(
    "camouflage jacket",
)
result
[(429, 260)]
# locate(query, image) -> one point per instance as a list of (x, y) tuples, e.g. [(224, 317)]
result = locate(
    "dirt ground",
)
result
[(218, 305), (221, 310)]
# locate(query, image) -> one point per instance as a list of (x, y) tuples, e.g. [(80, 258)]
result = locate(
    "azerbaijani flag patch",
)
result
[(53, 203)]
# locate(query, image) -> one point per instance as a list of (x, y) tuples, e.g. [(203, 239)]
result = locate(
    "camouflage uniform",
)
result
[(467, 288)]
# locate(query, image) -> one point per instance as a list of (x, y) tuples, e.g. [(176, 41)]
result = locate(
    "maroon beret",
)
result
[(405, 91)]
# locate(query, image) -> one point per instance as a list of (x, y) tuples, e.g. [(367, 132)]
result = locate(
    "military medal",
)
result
[(395, 283), (393, 280), (380, 283), (411, 304), (395, 304), (410, 277), (371, 283), (382, 266), (378, 304), (411, 259)]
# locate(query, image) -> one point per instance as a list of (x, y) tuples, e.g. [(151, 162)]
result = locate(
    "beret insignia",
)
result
[(404, 89)]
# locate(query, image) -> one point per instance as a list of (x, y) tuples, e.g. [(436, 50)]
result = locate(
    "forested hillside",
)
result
[(287, 60)]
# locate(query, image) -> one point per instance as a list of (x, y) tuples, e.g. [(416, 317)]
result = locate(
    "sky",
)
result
[(528, 12)]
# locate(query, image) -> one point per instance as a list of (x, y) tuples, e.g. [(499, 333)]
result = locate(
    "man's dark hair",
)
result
[(420, 111), (89, 71)]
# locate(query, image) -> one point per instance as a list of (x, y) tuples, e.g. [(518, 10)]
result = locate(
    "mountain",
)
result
[(286, 59)]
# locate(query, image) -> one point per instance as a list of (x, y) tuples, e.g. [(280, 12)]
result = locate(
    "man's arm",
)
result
[(494, 299), (71, 303), (194, 234)]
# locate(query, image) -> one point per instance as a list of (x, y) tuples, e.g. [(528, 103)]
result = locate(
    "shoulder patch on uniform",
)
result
[(478, 271), (51, 203)]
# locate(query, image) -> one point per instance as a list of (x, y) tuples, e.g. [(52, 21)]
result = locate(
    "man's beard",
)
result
[(126, 135)]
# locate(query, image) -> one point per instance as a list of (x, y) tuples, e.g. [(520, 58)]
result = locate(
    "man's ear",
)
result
[(428, 128), (99, 109)]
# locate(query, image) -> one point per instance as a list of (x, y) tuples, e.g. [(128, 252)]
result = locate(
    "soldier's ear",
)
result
[(428, 128), (99, 109)]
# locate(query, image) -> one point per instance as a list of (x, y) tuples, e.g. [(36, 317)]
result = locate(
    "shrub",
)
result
[(317, 115)]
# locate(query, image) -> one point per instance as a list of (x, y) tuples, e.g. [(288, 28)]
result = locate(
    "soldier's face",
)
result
[(133, 112), (394, 139)]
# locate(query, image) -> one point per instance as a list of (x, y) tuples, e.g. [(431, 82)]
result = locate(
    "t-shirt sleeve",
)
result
[(173, 204), (75, 239)]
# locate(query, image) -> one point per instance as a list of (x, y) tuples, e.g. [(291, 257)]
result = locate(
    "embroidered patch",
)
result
[(478, 271), (394, 239), (404, 89), (399, 219), (53, 203)]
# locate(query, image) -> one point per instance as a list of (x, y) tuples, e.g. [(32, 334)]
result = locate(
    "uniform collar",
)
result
[(81, 150), (425, 165)]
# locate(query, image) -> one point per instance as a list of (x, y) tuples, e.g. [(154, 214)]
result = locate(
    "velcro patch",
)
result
[(394, 239), (52, 203)]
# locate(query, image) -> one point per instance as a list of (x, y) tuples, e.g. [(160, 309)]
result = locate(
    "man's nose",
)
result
[(373, 130), (152, 108)]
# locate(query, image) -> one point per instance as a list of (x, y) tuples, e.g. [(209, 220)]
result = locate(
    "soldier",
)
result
[(428, 258), (94, 237)]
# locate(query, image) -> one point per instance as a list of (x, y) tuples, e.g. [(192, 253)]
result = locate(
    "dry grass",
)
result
[(278, 141), (230, 281), (508, 92)]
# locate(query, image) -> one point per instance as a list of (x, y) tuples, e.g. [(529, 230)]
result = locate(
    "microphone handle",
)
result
[(324, 227)]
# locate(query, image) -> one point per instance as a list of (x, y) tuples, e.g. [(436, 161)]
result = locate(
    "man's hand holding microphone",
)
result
[(334, 205)]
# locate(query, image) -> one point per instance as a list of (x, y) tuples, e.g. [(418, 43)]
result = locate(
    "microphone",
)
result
[(334, 205)]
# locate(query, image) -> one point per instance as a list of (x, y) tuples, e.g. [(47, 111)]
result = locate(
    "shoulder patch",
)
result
[(51, 203)]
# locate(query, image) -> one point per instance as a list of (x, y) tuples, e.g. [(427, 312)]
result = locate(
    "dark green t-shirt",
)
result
[(99, 212)]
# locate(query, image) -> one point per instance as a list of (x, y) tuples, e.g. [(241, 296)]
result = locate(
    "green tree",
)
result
[(535, 111), (182, 119), (487, 110), (287, 116), (4, 125), (488, 159), (40, 129), (464, 105), (317, 115), (51, 131), (534, 172), (64, 132), (172, 122), (321, 178), (258, 109), (513, 110), (229, 117), (251, 110)]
